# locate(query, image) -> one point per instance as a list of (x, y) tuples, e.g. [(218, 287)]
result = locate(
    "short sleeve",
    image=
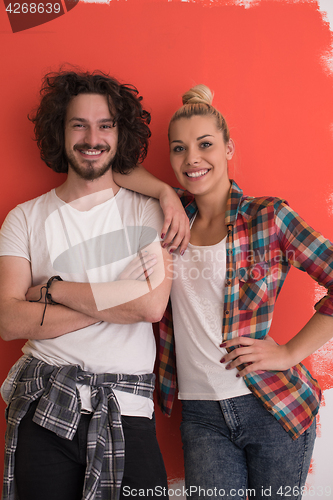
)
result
[(152, 223), (14, 239)]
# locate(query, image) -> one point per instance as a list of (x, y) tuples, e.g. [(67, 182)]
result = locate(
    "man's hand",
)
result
[(140, 267), (258, 354), (36, 293), (176, 227)]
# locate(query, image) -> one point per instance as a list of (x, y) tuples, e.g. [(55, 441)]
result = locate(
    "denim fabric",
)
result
[(235, 448), (49, 467)]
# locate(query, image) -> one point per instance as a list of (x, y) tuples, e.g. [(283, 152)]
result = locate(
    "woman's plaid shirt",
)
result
[(265, 237)]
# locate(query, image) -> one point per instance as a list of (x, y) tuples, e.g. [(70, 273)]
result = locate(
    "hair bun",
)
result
[(200, 94)]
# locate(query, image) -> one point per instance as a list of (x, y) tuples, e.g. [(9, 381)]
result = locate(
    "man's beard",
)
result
[(87, 170)]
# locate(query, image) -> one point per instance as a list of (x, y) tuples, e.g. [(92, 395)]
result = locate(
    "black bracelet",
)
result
[(48, 296), (48, 285)]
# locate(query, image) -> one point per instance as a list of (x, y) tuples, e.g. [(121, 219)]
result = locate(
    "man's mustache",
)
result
[(98, 147)]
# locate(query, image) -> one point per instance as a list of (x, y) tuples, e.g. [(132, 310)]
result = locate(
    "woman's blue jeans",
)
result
[(236, 449)]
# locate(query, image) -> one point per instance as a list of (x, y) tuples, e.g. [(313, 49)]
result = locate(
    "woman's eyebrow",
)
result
[(198, 138), (203, 136)]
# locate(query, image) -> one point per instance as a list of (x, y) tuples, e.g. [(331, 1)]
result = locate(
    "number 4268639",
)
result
[(33, 8)]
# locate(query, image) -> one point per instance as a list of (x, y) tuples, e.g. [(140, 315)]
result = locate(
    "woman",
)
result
[(248, 429)]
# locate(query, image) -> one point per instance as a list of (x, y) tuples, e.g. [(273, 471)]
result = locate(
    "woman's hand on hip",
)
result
[(256, 354)]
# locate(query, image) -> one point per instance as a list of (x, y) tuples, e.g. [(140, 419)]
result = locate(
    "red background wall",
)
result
[(266, 68)]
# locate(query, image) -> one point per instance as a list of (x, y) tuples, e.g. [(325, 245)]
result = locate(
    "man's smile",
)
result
[(88, 152)]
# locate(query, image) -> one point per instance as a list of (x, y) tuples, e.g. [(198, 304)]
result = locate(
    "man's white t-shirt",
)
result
[(89, 246)]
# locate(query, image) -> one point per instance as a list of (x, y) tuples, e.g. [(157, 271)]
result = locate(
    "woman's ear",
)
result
[(230, 149)]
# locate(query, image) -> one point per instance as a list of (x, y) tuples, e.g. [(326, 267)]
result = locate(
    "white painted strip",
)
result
[(247, 3), (326, 7)]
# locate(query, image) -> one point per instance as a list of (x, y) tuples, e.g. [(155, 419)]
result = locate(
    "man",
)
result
[(82, 277)]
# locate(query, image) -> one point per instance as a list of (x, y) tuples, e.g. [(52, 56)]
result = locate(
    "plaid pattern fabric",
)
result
[(265, 237), (59, 411)]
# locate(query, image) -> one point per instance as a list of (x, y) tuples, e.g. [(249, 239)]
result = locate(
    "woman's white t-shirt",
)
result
[(197, 298)]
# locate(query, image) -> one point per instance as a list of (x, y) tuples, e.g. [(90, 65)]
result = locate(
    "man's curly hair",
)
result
[(124, 104)]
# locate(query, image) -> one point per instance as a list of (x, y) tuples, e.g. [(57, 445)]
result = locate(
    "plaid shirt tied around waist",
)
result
[(265, 237), (59, 411)]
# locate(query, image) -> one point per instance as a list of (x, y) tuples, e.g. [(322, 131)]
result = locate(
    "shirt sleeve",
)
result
[(178, 191), (14, 239), (152, 223), (307, 250)]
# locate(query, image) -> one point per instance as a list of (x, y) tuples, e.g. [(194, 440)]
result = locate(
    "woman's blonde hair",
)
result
[(198, 102)]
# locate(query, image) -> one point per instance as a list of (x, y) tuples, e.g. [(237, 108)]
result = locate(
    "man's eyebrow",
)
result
[(106, 120), (83, 120), (76, 119)]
